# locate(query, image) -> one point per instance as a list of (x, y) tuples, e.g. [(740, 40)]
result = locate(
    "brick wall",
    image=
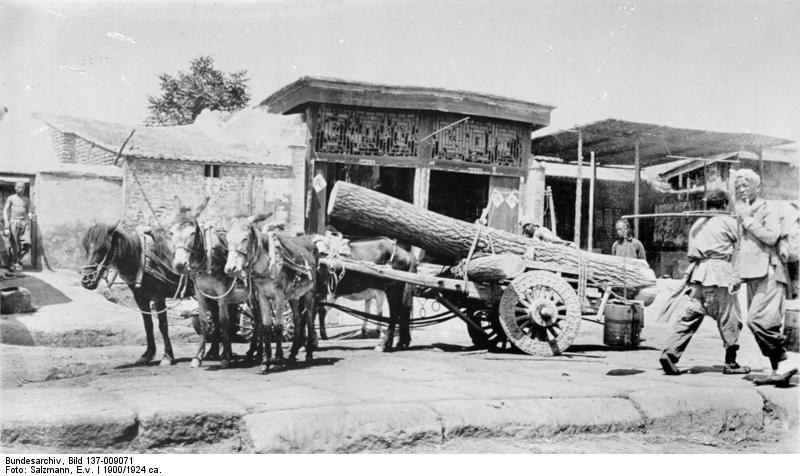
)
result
[(239, 189), (71, 149), (66, 206)]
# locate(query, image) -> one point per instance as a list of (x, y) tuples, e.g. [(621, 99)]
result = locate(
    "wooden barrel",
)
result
[(790, 318), (14, 299), (623, 324)]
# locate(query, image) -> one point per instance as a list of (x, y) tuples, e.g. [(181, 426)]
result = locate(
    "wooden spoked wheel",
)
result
[(540, 313), (493, 336)]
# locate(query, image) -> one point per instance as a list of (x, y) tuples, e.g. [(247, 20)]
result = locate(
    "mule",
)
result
[(373, 300), (381, 251), (111, 247), (279, 268), (200, 253)]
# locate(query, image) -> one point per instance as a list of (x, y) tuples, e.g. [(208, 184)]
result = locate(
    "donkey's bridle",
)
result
[(91, 273), (193, 251)]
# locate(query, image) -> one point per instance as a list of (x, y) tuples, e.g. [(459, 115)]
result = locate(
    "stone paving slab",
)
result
[(343, 429), (716, 408)]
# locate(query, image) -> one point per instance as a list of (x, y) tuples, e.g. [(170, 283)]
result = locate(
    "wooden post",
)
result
[(759, 152), (592, 179), (579, 192), (705, 184), (636, 184), (422, 182), (552, 208)]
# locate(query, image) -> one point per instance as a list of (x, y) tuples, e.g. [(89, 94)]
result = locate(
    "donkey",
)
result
[(146, 271), (280, 267), (201, 254), (381, 251)]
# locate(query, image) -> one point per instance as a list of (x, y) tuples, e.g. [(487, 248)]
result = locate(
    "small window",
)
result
[(212, 171)]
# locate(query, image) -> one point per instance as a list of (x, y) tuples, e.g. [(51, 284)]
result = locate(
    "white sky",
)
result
[(721, 64)]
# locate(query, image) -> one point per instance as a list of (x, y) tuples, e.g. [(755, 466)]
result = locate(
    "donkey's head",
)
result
[(186, 236), (242, 240), (99, 247)]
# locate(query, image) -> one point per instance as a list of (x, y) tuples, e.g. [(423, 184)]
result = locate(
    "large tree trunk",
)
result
[(387, 216)]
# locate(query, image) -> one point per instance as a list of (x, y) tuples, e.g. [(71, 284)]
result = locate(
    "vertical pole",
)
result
[(578, 192), (705, 184), (760, 154), (636, 184), (592, 179)]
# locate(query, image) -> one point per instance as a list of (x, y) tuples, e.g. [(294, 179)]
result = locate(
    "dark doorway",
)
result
[(396, 182), (30, 261), (457, 195)]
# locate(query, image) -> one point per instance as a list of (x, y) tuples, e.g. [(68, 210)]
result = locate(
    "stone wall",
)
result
[(239, 189), (67, 205)]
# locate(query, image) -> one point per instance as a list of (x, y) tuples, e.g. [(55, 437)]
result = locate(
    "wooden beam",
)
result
[(578, 193), (637, 178), (592, 179)]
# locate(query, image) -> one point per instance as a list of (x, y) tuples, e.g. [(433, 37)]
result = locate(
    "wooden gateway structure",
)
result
[(452, 152)]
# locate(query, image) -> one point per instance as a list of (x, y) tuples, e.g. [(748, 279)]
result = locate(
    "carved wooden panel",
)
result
[(365, 132), (478, 141)]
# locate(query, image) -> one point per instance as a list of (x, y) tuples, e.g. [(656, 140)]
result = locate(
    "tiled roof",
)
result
[(185, 143)]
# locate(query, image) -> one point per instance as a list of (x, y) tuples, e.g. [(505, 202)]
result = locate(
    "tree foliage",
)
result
[(185, 96)]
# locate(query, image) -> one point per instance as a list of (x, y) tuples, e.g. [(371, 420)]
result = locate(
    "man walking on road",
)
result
[(761, 269), (713, 283)]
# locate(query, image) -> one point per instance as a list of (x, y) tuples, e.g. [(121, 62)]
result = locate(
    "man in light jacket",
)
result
[(760, 267)]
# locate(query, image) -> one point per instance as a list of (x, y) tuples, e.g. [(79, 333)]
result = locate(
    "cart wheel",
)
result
[(493, 336), (540, 313)]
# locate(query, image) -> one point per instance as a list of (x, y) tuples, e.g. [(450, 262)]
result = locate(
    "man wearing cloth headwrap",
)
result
[(762, 270), (712, 282)]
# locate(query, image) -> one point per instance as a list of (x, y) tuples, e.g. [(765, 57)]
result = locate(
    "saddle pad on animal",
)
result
[(332, 244)]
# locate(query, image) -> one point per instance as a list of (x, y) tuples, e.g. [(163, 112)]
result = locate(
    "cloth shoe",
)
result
[(734, 368), (668, 364)]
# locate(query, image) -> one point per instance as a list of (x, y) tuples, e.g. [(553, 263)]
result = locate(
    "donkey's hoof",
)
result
[(309, 358), (196, 363), (167, 361), (263, 368), (224, 363), (143, 360), (381, 348)]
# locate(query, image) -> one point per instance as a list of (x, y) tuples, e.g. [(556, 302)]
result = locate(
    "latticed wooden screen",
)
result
[(365, 132), (478, 141)]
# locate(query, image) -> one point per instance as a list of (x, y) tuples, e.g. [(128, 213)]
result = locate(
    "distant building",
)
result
[(109, 172), (452, 152)]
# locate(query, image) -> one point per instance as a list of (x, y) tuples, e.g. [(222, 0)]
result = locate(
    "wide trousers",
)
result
[(766, 297), (712, 301)]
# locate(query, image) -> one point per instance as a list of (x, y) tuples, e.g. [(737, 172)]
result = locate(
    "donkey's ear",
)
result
[(260, 217), (201, 207)]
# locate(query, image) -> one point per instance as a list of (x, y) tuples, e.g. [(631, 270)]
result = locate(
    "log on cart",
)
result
[(450, 238)]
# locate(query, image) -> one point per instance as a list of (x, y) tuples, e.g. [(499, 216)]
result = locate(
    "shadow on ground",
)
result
[(42, 294)]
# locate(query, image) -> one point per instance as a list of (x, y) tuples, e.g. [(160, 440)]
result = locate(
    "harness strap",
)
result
[(207, 236), (142, 257)]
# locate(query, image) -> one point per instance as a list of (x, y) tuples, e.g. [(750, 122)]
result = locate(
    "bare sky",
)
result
[(723, 65)]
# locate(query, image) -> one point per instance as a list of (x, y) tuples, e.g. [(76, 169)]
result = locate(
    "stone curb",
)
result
[(376, 427), (718, 409)]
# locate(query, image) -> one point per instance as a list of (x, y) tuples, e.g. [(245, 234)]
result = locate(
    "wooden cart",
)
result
[(538, 312)]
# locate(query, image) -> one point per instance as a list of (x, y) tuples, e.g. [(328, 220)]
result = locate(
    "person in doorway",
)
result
[(17, 216), (763, 272), (626, 245), (713, 282)]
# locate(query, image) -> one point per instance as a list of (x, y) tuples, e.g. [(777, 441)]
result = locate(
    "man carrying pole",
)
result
[(712, 282), (762, 270)]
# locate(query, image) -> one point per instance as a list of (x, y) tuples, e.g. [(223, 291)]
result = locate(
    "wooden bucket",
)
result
[(623, 324), (14, 300)]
